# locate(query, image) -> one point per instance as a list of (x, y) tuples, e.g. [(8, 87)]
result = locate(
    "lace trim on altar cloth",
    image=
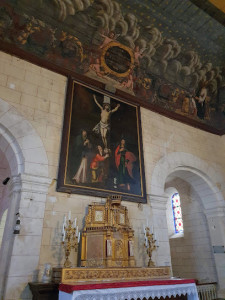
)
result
[(134, 293)]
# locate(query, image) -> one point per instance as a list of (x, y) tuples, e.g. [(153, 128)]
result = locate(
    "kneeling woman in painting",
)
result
[(97, 169)]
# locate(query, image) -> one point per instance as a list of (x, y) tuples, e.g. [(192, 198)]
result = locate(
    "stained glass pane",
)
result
[(177, 213), (179, 225), (176, 199)]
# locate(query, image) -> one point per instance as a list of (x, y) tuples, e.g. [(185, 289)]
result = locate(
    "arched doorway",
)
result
[(191, 252), (26, 159), (206, 185), (11, 165)]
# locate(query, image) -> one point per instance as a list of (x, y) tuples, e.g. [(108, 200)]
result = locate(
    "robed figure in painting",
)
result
[(124, 160), (200, 99), (82, 147)]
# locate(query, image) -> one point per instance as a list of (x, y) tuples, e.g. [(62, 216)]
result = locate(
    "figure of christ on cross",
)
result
[(103, 127)]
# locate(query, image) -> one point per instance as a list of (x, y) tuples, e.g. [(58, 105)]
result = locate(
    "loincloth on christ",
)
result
[(99, 126)]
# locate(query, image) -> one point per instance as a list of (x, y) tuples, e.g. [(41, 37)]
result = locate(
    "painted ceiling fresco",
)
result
[(168, 53), (220, 4)]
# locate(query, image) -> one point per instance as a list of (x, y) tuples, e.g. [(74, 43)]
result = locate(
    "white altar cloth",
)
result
[(129, 293)]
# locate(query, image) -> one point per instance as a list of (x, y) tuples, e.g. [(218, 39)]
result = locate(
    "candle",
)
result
[(146, 242), (77, 231), (64, 220), (144, 228), (63, 237), (69, 215), (79, 237), (75, 222), (64, 225)]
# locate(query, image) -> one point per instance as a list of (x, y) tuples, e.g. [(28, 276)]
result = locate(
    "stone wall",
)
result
[(38, 95)]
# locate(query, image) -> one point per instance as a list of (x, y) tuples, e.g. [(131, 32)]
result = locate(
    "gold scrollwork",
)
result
[(107, 68), (96, 274)]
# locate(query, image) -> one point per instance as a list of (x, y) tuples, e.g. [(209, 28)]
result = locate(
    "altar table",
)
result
[(129, 290)]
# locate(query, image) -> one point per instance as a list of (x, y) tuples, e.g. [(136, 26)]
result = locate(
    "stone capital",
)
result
[(158, 201), (15, 184), (29, 183), (215, 212)]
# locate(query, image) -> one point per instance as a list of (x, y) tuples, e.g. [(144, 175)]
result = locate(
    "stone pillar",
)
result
[(162, 255), (14, 187), (216, 223), (27, 196)]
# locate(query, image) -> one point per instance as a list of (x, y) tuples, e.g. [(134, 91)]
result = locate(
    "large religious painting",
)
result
[(101, 145)]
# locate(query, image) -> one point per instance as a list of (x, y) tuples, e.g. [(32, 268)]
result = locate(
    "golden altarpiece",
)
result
[(107, 238), (107, 249)]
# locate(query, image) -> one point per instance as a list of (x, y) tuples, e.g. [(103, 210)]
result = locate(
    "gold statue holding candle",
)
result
[(70, 238), (150, 244)]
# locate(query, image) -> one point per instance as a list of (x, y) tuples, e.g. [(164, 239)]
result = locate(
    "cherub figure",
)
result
[(138, 53), (97, 68), (129, 84), (108, 39), (103, 126)]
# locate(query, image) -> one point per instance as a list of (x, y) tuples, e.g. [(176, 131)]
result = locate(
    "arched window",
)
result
[(177, 214)]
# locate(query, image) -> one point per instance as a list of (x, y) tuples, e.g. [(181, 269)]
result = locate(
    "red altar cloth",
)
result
[(69, 288)]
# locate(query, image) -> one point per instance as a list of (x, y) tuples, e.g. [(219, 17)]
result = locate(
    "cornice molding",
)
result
[(29, 183), (157, 201), (215, 212)]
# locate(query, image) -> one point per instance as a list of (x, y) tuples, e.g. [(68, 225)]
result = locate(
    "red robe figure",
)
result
[(97, 168), (124, 162)]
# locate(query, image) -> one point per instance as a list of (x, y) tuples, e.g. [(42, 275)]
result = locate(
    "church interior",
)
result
[(112, 142)]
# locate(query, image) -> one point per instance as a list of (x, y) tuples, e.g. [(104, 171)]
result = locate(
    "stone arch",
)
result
[(207, 183), (192, 169), (12, 151), (27, 158), (20, 143), (191, 262)]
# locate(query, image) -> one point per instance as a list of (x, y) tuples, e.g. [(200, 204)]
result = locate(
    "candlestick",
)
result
[(150, 244), (70, 239)]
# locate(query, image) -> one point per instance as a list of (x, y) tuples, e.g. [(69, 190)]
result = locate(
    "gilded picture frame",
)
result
[(101, 150)]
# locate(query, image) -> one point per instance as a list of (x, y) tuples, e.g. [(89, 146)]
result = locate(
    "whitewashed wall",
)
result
[(38, 95)]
